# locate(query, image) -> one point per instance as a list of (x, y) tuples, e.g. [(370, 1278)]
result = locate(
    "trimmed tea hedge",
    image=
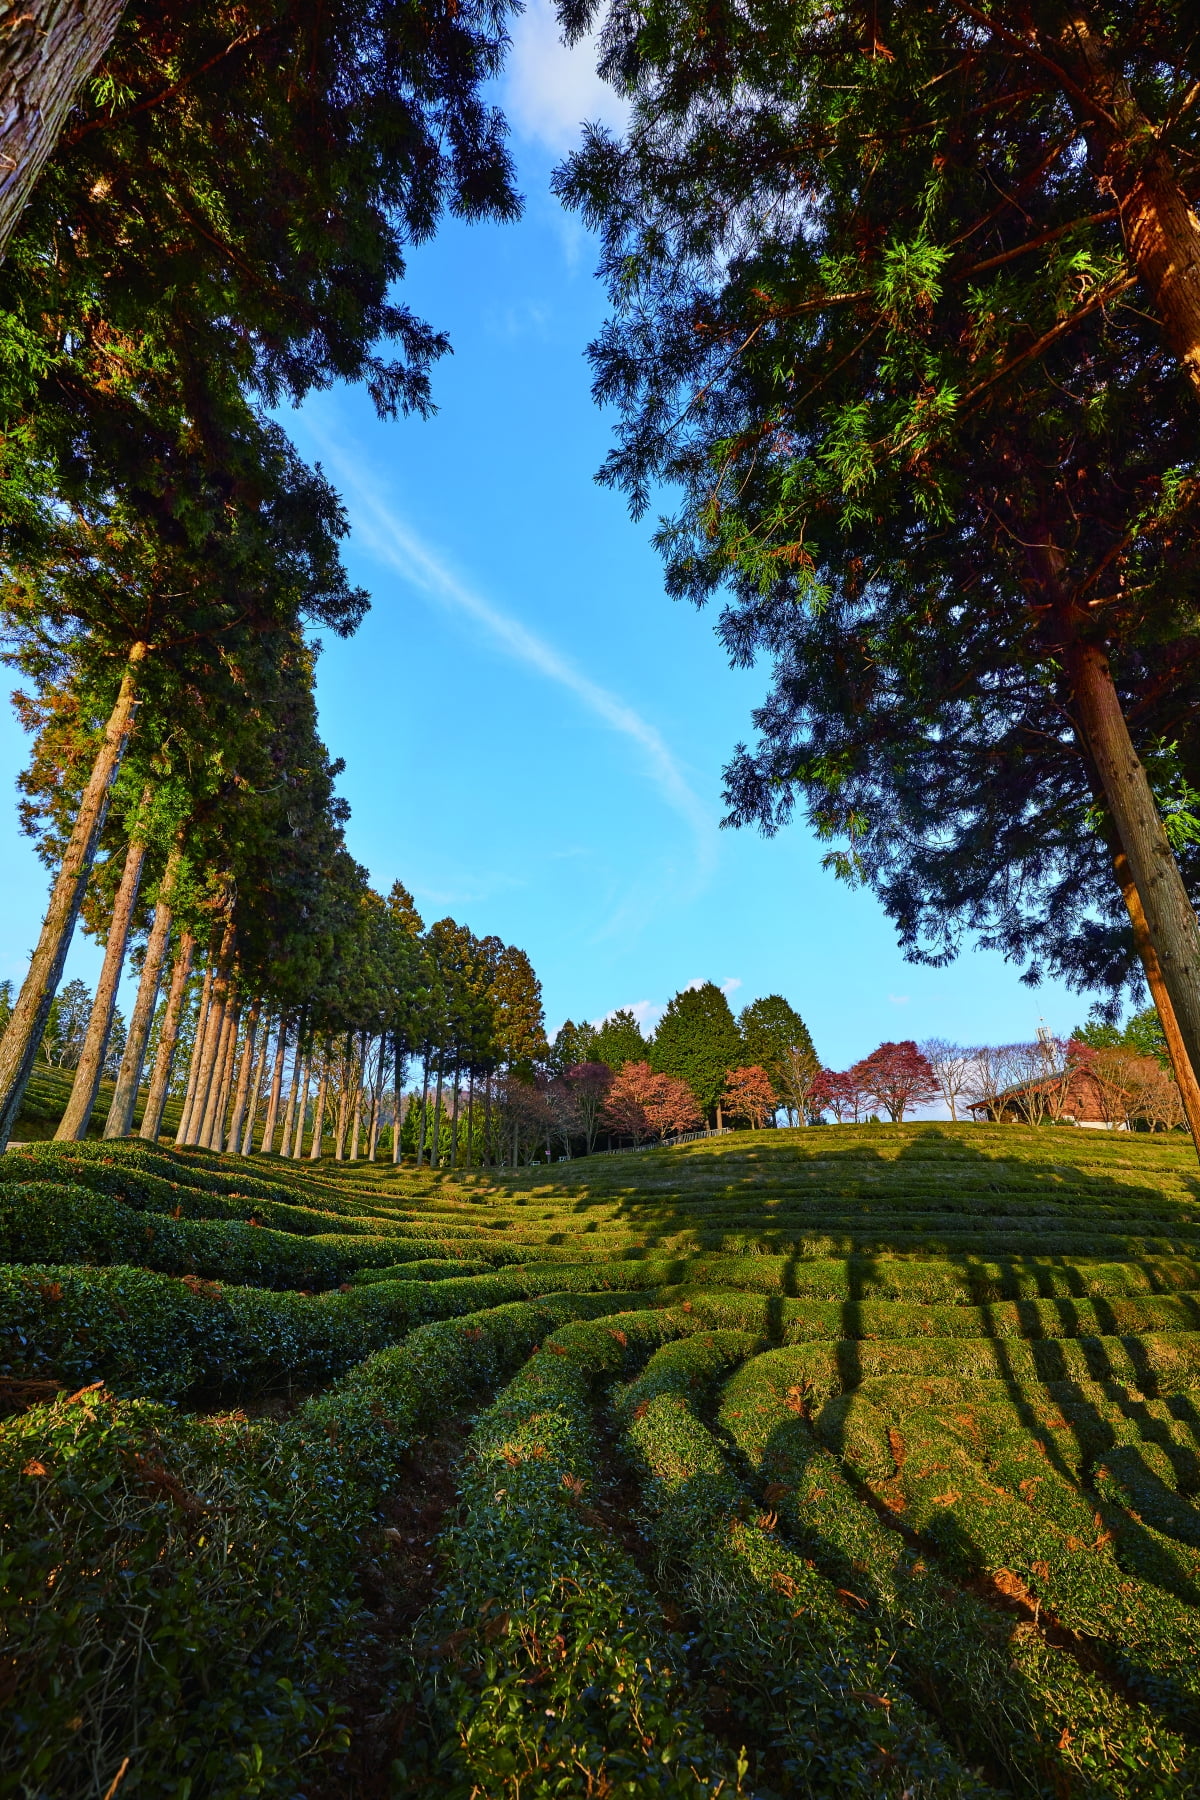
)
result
[(832, 1462)]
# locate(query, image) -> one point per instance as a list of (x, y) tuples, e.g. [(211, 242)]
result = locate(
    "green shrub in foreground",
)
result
[(1004, 1694), (550, 1671), (162, 1338), (180, 1590), (805, 1674)]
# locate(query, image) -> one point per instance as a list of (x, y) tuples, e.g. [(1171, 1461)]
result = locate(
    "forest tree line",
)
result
[(905, 309), (208, 223)]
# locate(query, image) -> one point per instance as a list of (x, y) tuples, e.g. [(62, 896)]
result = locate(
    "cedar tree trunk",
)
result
[(471, 1119), (1170, 922), (435, 1149), (212, 1060), (214, 1136), (48, 48), (119, 1123), (289, 1115), (397, 1096), (360, 1076), (247, 1144), (268, 1137), (243, 1084), (1134, 167), (424, 1111), (160, 1077), (189, 1097), (377, 1102), (302, 1108), (1185, 1075), (23, 1034), (319, 1116), (78, 1114), (343, 1118), (454, 1117)]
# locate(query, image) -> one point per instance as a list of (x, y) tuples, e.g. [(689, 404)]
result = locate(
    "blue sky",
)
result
[(533, 733)]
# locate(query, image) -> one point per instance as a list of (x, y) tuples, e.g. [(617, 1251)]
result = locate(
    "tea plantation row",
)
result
[(848, 1461)]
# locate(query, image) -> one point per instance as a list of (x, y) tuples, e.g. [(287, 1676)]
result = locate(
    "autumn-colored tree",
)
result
[(897, 1076), (587, 1085), (643, 1102), (839, 1091), (671, 1107), (750, 1096)]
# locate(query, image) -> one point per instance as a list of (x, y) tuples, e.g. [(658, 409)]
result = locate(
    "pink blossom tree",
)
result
[(640, 1104)]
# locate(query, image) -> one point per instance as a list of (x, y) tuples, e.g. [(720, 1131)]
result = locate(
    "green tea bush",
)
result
[(1018, 1702), (153, 1335), (808, 1679), (567, 1665), (181, 1591), (48, 1222), (898, 1490), (137, 1185)]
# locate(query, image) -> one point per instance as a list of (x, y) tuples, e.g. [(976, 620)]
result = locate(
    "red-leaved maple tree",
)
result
[(840, 1092), (897, 1076)]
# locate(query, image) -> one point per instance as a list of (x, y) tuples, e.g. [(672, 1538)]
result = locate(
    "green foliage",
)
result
[(873, 388), (232, 1511), (698, 1041), (1142, 1033), (990, 1334), (804, 1676), (618, 1041), (572, 1044), (62, 1039), (149, 1334), (1002, 1692), (52, 1222), (612, 1704), (772, 1033)]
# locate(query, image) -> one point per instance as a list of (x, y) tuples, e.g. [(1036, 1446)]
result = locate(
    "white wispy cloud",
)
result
[(550, 89), (379, 528)]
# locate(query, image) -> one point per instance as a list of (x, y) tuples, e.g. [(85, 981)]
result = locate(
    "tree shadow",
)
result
[(855, 1188)]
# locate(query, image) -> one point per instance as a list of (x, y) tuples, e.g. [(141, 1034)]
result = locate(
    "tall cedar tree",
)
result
[(573, 1044), (149, 615), (515, 994), (772, 1031), (698, 1041), (233, 198), (619, 1041), (886, 319)]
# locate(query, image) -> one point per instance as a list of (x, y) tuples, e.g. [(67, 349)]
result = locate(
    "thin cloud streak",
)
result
[(391, 541)]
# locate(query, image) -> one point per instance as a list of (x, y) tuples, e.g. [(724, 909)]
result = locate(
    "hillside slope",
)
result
[(844, 1461)]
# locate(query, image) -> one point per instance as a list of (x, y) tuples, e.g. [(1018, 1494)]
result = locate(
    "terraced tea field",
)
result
[(849, 1461)]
